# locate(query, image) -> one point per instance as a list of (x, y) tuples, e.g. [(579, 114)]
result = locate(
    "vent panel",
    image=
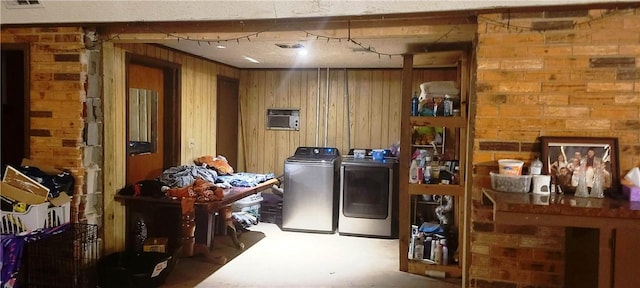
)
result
[(18, 4)]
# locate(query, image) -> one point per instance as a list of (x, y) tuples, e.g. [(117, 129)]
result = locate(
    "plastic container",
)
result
[(271, 209), (15, 222), (510, 166), (536, 167), (57, 216), (541, 184), (377, 154), (128, 269), (510, 183), (359, 153), (249, 204)]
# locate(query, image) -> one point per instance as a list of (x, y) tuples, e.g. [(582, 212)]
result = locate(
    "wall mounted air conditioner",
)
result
[(283, 119)]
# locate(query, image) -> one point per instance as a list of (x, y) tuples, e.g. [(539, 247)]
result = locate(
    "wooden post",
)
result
[(188, 225)]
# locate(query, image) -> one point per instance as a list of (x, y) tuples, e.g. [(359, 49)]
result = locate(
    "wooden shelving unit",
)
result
[(457, 126)]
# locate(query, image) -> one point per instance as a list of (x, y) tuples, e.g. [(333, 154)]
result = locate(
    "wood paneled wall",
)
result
[(198, 90), (372, 113), (354, 108)]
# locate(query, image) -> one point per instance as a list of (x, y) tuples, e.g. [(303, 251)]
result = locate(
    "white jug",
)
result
[(541, 184)]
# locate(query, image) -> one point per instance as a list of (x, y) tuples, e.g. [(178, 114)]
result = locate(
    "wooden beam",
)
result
[(290, 24), (455, 28)]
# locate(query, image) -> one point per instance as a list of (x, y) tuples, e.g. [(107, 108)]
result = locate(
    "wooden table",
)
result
[(617, 222), (164, 216)]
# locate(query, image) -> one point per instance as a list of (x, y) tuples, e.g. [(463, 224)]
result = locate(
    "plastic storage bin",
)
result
[(250, 204), (130, 269), (271, 209), (510, 183)]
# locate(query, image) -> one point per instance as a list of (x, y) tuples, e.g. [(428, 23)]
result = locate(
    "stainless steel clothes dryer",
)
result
[(368, 196)]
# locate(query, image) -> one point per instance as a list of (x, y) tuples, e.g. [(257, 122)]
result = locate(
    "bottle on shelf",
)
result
[(427, 247), (536, 167), (455, 179), (438, 254), (419, 249), (434, 247), (412, 243), (435, 170), (413, 172), (414, 104), (445, 252), (447, 105), (427, 170), (426, 173)]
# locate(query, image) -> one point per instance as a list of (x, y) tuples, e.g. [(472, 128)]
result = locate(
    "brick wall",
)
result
[(57, 97), (546, 73)]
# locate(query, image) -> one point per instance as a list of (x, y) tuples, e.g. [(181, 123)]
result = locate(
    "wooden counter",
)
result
[(617, 257)]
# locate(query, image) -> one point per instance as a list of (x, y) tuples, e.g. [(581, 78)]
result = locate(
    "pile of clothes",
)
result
[(203, 181)]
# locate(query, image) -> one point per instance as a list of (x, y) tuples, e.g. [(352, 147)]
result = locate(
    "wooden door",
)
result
[(227, 120), (147, 165)]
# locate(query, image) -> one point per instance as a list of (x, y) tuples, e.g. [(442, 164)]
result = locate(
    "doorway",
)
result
[(227, 120), (15, 104), (153, 117)]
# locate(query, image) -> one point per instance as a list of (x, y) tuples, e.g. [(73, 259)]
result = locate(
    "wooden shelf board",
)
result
[(421, 268), (436, 189), (451, 122)]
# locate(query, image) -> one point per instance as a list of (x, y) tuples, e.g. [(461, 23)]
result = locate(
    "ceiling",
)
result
[(338, 42), (319, 53), (336, 34)]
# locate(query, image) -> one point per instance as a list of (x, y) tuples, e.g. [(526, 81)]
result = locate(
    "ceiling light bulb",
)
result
[(303, 52), (221, 47)]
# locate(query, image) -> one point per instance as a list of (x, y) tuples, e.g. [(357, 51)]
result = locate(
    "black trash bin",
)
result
[(130, 269)]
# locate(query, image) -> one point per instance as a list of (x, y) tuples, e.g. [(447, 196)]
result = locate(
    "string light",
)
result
[(519, 29), (508, 25)]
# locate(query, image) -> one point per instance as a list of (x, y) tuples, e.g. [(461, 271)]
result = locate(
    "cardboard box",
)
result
[(631, 192), (17, 186), (16, 179), (155, 244), (20, 195), (21, 188)]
